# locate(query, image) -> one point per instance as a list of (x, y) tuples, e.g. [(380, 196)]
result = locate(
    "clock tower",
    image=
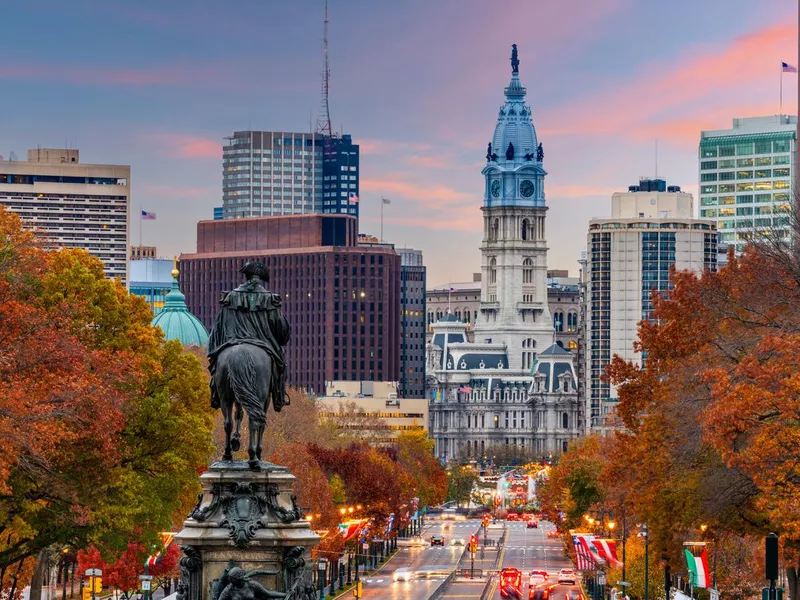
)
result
[(514, 308)]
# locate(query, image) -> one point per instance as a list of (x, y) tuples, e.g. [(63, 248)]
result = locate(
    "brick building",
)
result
[(342, 300)]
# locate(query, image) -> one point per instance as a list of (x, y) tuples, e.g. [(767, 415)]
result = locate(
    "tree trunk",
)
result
[(13, 590), (793, 583), (42, 561)]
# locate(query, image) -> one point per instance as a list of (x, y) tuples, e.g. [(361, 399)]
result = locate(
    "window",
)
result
[(525, 228), (726, 188), (727, 163), (493, 270), (708, 189), (744, 148), (744, 162), (527, 266), (494, 230), (558, 321), (565, 421), (780, 146), (708, 177), (708, 164)]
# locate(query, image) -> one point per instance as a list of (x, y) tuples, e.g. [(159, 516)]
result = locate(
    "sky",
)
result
[(417, 83)]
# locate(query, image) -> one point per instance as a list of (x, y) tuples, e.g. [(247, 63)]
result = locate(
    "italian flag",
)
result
[(697, 560)]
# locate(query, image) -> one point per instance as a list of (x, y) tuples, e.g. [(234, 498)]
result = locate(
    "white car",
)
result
[(566, 576), (457, 541), (403, 574), (416, 542)]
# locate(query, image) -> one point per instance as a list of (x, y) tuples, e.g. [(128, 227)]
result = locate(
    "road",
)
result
[(528, 549), (380, 586)]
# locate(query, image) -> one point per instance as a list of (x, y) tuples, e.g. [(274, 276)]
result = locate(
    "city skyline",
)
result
[(159, 89)]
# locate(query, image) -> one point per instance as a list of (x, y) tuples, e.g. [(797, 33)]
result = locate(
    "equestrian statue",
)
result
[(247, 361)]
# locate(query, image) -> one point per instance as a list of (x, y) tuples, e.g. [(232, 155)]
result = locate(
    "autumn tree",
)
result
[(460, 483), (103, 425), (415, 456)]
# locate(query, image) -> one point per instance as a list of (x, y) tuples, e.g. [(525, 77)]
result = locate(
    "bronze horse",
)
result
[(243, 378)]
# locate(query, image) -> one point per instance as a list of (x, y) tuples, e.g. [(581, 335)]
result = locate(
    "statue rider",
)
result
[(251, 315)]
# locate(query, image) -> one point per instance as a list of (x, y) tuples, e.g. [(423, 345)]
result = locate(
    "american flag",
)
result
[(787, 68), (465, 389), (608, 551), (352, 197), (148, 216)]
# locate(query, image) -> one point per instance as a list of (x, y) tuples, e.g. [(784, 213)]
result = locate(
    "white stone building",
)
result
[(512, 390), (650, 230)]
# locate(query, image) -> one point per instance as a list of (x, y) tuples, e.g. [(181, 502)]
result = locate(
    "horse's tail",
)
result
[(243, 382)]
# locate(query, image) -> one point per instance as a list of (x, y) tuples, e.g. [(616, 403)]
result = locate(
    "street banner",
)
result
[(608, 551), (697, 561)]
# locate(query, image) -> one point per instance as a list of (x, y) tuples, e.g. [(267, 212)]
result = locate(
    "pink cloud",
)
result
[(416, 192), (171, 191), (176, 145), (705, 80), (579, 191)]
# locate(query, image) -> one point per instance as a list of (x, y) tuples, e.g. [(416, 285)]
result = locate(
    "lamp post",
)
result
[(646, 563), (321, 566)]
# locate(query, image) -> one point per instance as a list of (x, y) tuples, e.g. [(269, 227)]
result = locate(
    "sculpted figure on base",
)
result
[(246, 359)]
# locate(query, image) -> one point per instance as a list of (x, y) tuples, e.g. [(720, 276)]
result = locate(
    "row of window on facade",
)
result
[(526, 230), (527, 270)]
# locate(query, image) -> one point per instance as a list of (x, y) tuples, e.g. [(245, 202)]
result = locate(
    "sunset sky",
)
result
[(418, 83)]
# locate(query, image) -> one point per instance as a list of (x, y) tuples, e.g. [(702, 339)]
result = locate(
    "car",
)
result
[(437, 540), (540, 593), (403, 574), (512, 517), (457, 541), (552, 533), (536, 577), (511, 583), (532, 524), (566, 576)]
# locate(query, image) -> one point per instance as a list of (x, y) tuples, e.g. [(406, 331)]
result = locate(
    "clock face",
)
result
[(526, 188), (495, 188)]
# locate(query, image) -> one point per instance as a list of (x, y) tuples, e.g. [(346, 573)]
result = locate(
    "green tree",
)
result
[(460, 482)]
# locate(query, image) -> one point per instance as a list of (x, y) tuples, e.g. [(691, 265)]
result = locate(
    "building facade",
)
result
[(511, 391), (629, 257), (71, 204), (342, 300), (373, 410), (463, 300), (746, 177), (152, 279), (142, 252), (412, 324), (270, 173)]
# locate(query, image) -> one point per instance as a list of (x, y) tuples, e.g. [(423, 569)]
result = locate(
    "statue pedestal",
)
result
[(251, 518)]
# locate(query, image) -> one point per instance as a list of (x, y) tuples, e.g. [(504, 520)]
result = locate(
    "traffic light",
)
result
[(358, 590), (485, 520), (473, 543)]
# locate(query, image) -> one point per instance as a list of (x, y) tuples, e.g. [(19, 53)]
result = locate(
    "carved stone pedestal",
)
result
[(247, 519)]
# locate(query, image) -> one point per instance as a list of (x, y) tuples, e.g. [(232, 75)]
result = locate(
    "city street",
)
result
[(528, 549), (437, 559)]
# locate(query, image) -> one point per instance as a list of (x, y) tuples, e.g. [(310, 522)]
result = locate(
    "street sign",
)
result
[(601, 578), (146, 577), (624, 583), (145, 586), (365, 546), (94, 572), (713, 594)]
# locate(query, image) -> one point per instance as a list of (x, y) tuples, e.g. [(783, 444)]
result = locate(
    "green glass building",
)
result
[(746, 177)]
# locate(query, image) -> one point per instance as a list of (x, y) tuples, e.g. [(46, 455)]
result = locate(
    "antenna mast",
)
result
[(324, 119)]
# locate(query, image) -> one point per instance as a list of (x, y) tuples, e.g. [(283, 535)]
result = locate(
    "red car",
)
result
[(511, 583), (512, 517), (533, 524)]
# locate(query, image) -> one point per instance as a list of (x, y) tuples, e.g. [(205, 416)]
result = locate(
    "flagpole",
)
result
[(140, 231), (780, 109), (449, 294)]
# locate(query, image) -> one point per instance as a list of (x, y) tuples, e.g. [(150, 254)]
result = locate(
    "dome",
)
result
[(514, 125), (177, 322)]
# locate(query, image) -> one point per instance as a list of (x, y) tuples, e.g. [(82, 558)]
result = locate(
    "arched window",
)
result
[(525, 229), (458, 315), (565, 421), (467, 316), (558, 321), (572, 322), (493, 271), (494, 230), (438, 315), (430, 318), (527, 270)]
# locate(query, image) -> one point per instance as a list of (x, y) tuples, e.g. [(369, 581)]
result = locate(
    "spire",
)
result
[(324, 119)]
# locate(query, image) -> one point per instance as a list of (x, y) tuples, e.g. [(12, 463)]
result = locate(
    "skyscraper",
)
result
[(651, 229), (267, 173), (746, 177), (71, 204), (511, 392), (412, 324)]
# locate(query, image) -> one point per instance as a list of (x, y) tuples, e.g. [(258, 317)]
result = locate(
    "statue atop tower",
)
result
[(514, 59)]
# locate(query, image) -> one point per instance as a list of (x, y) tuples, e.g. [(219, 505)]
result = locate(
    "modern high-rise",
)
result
[(271, 173), (412, 324), (629, 255), (511, 394), (72, 204), (746, 177), (342, 299)]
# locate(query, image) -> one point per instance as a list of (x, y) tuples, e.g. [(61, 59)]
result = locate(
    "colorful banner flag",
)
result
[(608, 551), (350, 529), (697, 561), (167, 537), (583, 561)]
